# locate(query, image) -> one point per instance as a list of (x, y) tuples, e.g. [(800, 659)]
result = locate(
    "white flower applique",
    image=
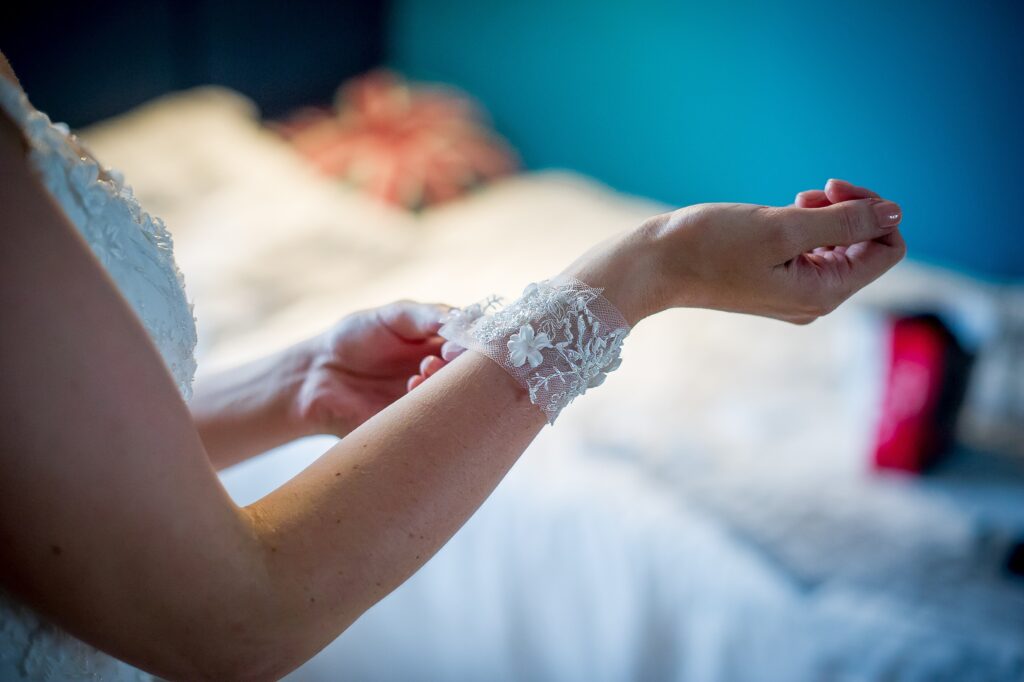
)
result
[(526, 346), (464, 316)]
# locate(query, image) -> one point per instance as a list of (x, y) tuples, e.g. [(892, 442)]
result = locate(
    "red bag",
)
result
[(925, 386)]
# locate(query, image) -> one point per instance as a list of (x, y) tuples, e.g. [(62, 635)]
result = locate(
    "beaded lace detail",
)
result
[(137, 252), (560, 338)]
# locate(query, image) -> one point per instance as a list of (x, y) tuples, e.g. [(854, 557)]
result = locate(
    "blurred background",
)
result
[(743, 501)]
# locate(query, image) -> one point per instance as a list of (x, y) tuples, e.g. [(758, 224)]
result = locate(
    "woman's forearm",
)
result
[(250, 409), (373, 509), (380, 503)]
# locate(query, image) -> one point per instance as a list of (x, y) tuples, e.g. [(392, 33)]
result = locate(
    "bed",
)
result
[(707, 515)]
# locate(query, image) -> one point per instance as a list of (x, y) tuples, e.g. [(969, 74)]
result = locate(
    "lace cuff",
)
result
[(558, 339)]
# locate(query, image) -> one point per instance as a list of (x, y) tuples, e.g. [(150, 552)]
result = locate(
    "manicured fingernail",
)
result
[(888, 213)]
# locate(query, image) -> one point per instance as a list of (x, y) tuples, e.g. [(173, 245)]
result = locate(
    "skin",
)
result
[(115, 525), (329, 384), (714, 241)]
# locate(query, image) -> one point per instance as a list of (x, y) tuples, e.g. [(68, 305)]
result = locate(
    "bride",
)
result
[(123, 553)]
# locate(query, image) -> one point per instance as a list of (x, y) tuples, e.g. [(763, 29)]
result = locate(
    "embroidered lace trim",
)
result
[(560, 338), (135, 248)]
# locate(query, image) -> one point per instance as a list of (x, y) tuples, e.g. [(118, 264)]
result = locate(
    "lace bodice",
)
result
[(137, 252)]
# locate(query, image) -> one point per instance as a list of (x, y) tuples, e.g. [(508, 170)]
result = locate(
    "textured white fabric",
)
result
[(136, 251), (560, 338)]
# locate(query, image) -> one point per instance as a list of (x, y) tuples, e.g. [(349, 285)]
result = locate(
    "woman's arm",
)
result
[(115, 525), (113, 521)]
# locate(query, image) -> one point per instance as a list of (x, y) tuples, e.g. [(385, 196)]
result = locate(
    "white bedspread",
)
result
[(706, 515)]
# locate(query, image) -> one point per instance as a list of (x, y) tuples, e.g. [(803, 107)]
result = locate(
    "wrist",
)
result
[(251, 408), (673, 240), (625, 267), (295, 395)]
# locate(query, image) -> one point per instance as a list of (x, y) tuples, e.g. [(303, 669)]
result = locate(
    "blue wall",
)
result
[(752, 101)]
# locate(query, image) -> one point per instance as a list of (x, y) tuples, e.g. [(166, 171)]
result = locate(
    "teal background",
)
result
[(743, 101)]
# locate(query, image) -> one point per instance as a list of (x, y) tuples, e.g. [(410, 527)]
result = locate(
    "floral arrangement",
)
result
[(409, 145)]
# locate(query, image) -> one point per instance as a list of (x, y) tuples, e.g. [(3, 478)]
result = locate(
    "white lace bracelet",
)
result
[(558, 339)]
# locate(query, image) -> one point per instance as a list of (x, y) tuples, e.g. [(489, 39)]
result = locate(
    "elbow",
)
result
[(251, 645), (247, 637), (256, 625)]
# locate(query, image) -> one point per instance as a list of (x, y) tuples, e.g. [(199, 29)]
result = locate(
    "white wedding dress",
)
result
[(137, 252)]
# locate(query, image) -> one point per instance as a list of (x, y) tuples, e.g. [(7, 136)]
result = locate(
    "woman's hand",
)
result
[(791, 263), (794, 263), (364, 363), (329, 384)]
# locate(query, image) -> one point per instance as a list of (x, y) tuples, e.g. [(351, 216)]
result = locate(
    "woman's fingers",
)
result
[(870, 259), (451, 350), (835, 191), (412, 321), (846, 223), (408, 354), (812, 198), (428, 367), (430, 364), (841, 190), (848, 270)]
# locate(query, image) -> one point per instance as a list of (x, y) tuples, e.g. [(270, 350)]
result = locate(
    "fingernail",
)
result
[(888, 213), (450, 351)]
